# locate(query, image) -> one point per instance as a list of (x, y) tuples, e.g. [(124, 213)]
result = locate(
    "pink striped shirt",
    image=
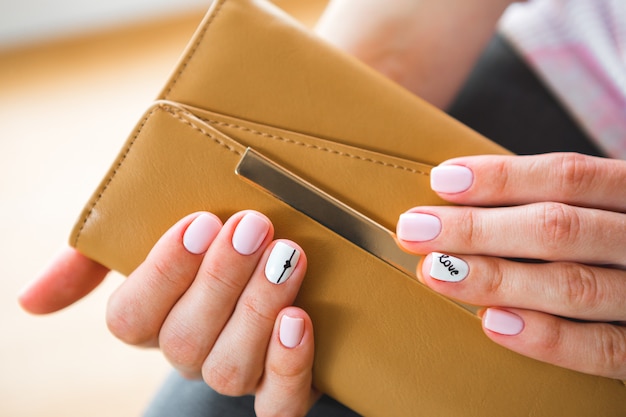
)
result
[(578, 48)]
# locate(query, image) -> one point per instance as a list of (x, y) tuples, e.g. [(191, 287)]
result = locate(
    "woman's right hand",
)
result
[(216, 299)]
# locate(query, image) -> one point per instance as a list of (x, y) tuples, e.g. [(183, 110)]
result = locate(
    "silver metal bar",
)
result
[(326, 210)]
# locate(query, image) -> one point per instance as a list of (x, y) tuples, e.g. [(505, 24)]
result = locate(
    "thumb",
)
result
[(68, 278), (286, 389)]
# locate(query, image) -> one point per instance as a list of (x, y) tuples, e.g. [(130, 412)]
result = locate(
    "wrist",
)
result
[(428, 47)]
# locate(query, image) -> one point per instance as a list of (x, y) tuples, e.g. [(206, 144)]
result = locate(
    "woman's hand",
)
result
[(565, 209), (217, 300)]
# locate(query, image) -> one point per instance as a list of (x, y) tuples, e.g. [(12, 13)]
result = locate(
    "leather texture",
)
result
[(385, 344)]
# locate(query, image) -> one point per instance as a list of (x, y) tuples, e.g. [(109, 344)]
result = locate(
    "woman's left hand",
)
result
[(568, 210)]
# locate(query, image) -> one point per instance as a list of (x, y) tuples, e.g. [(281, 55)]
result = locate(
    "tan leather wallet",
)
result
[(385, 344)]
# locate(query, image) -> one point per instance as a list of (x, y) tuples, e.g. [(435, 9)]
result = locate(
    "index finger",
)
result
[(570, 178)]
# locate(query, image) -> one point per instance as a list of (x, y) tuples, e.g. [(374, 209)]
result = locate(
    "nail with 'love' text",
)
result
[(448, 268)]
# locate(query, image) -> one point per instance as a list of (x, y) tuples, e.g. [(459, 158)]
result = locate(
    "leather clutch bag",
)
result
[(252, 77)]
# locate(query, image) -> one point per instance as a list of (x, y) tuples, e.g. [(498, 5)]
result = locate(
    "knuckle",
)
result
[(255, 311), (470, 228), (501, 185), (551, 342), (121, 323), (119, 326), (168, 272), (292, 383), (285, 375), (494, 285), (181, 349), (581, 289), (218, 279), (559, 227), (613, 350), (573, 172), (226, 378)]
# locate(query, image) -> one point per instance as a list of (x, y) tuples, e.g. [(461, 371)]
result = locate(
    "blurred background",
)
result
[(75, 76), (28, 21)]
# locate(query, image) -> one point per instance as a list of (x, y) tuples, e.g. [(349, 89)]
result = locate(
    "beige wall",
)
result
[(27, 21)]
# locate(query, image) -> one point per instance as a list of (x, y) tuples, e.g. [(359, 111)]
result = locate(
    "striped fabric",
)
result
[(578, 48)]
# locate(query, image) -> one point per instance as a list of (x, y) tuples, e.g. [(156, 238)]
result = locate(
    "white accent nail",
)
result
[(281, 262), (448, 268)]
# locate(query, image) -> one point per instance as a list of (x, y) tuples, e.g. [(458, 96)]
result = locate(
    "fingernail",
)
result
[(418, 227), (250, 233), (448, 268), (502, 322), (451, 179), (200, 233), (281, 262), (291, 331)]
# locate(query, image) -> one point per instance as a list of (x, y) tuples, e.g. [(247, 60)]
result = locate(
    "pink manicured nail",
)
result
[(200, 233), (291, 331), (451, 179), (503, 322), (418, 227), (250, 233)]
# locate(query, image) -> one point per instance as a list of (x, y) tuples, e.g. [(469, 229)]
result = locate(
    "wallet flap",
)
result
[(296, 75)]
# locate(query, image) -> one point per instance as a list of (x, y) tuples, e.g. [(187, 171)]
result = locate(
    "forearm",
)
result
[(428, 46)]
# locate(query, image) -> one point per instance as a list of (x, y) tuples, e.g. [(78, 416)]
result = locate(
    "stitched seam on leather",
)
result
[(195, 47), (316, 147), (182, 69), (176, 114), (113, 174)]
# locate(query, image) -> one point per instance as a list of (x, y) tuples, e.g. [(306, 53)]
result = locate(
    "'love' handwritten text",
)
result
[(446, 262)]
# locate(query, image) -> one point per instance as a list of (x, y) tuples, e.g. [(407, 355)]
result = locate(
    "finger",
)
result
[(514, 180), (565, 289), (548, 231), (286, 386), (199, 315), (66, 280), (235, 364), (592, 348), (137, 310)]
